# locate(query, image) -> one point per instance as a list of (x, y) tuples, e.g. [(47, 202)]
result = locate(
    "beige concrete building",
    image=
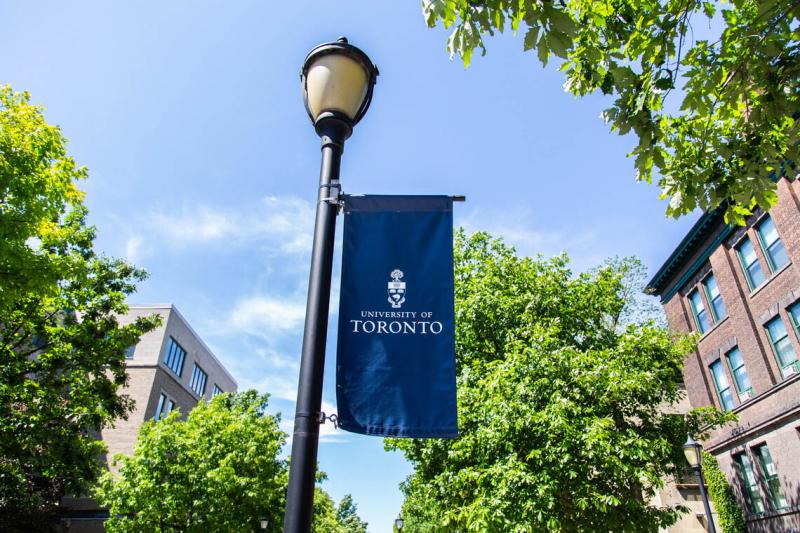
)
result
[(170, 368), (683, 490)]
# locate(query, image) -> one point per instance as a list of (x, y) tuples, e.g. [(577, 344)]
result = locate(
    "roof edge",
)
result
[(172, 307), (672, 265)]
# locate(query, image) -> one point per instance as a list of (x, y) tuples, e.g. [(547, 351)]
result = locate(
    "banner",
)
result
[(395, 362)]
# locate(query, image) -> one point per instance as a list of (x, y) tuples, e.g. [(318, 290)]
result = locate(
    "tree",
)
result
[(62, 359), (730, 128), (347, 516), (216, 471), (639, 307), (190, 474), (324, 513), (330, 518), (562, 416)]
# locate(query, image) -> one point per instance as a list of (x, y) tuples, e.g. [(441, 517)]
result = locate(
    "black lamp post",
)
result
[(399, 523), (337, 80), (694, 454)]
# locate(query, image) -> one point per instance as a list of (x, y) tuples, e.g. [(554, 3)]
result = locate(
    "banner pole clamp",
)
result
[(332, 417), (337, 200)]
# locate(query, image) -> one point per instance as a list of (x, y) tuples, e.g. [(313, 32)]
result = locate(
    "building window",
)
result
[(175, 356), (198, 383), (723, 387), (699, 312), (794, 315), (216, 390), (165, 405), (771, 476), (771, 244), (129, 351), (748, 478), (714, 298), (750, 264), (782, 347), (739, 373)]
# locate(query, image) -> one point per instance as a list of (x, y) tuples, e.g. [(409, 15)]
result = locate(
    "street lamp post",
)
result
[(337, 80), (694, 454), (399, 523)]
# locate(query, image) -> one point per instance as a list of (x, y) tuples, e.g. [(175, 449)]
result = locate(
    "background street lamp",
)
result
[(694, 454), (337, 80), (399, 523), (264, 522)]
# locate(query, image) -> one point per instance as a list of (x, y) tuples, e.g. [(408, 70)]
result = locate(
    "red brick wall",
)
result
[(773, 415)]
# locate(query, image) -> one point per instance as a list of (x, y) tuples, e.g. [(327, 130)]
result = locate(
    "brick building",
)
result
[(170, 368), (739, 288)]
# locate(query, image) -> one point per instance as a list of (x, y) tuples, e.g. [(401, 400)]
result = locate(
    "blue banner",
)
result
[(395, 363)]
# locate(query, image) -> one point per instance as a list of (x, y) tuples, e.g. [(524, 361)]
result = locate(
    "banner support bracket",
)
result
[(332, 417)]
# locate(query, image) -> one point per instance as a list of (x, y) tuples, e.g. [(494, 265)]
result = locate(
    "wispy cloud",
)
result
[(282, 224), (257, 326), (132, 248), (518, 227), (265, 315)]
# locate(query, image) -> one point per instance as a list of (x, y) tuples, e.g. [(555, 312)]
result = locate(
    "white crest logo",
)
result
[(396, 289)]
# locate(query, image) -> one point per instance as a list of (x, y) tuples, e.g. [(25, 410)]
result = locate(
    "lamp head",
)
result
[(399, 523), (337, 80), (693, 450)]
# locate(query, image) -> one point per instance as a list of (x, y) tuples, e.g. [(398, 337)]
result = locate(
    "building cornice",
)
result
[(705, 226)]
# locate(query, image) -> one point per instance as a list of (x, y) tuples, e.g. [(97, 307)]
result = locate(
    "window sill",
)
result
[(772, 513), (769, 392), (769, 279)]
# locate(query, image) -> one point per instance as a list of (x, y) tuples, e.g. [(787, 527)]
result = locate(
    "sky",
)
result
[(204, 166)]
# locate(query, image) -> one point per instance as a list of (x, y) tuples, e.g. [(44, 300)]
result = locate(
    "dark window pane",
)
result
[(700, 316), (781, 345), (723, 387), (198, 382), (771, 473), (773, 247), (748, 478), (739, 371), (715, 298), (749, 259)]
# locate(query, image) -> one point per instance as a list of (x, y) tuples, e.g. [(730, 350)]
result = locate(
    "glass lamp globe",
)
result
[(337, 80), (692, 450)]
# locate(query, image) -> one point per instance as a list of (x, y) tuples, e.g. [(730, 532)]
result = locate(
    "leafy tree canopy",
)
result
[(562, 411), (347, 516), (188, 475), (62, 350), (332, 518), (216, 471), (731, 126)]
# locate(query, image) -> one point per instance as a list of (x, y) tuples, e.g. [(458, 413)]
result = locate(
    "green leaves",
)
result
[(62, 349), (531, 38), (736, 126), (729, 514), (561, 402), (189, 475)]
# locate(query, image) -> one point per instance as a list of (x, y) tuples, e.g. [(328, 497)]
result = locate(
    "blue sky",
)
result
[(203, 165)]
